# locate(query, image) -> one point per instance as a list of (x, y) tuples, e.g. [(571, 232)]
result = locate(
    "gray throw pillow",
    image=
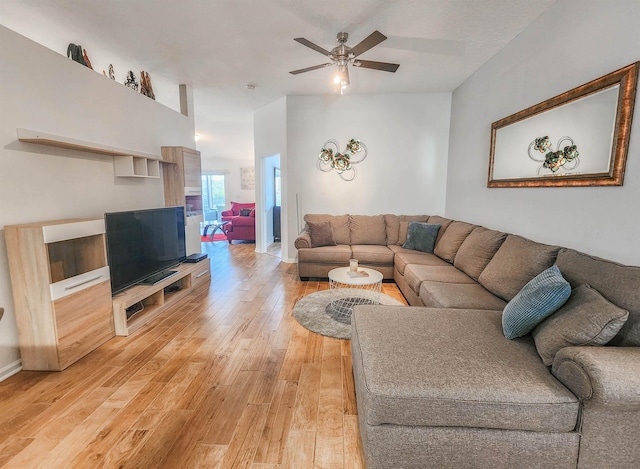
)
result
[(587, 318), (321, 234), (421, 236)]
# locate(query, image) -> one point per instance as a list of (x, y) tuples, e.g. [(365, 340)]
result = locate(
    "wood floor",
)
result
[(228, 379)]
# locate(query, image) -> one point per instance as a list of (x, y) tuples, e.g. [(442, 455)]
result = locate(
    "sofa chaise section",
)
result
[(444, 388)]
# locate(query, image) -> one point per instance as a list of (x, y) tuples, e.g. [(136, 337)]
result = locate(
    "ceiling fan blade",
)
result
[(384, 66), (308, 69), (367, 43), (311, 45)]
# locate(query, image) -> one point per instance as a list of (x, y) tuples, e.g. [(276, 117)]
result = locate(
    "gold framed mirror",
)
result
[(578, 138)]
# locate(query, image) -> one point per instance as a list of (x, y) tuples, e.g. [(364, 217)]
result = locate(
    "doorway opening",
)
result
[(272, 197)]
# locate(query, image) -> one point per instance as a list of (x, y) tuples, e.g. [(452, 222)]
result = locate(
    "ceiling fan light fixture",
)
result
[(343, 55)]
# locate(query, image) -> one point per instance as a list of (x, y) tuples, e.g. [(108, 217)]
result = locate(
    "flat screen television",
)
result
[(142, 243)]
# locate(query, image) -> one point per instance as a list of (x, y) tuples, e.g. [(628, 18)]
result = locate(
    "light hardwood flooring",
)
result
[(227, 379)]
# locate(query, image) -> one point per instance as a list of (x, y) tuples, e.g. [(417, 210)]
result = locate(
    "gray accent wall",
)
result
[(572, 43)]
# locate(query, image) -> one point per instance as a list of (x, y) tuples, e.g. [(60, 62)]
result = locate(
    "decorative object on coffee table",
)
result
[(314, 312)]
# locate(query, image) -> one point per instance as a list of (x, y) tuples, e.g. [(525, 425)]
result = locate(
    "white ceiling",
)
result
[(220, 46)]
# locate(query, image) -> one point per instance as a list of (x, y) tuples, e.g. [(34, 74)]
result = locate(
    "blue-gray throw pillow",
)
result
[(421, 236), (538, 299)]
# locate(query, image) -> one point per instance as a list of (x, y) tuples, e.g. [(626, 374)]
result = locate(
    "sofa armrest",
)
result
[(607, 376), (226, 213), (303, 240)]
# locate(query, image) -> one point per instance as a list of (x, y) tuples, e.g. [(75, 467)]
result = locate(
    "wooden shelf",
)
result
[(155, 298), (41, 138), (127, 163), (136, 167)]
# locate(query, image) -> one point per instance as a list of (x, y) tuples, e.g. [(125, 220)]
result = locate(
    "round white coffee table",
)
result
[(354, 290)]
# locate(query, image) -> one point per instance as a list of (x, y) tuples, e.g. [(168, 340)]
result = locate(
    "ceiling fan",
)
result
[(343, 55)]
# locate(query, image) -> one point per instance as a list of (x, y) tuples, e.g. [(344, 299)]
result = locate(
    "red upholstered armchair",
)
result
[(242, 222)]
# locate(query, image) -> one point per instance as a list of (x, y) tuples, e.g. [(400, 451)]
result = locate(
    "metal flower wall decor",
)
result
[(330, 158), (566, 158)]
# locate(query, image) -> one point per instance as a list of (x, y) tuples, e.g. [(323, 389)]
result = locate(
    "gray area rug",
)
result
[(313, 312)]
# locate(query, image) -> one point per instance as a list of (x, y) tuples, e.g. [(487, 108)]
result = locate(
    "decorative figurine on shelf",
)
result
[(131, 81), (111, 74), (145, 85), (566, 158), (87, 62), (75, 53)]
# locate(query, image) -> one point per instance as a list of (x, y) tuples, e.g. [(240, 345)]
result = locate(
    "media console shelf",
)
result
[(61, 290), (157, 298), (127, 163)]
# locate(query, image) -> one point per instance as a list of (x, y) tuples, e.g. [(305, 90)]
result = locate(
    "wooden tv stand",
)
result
[(157, 298)]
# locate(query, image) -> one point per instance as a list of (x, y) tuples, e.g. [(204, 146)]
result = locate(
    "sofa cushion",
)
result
[(459, 296), (477, 250), (616, 282), (372, 255), (237, 207), (339, 223), (585, 319), (368, 229), (452, 239), (392, 222), (516, 262), (242, 221), (403, 231), (403, 226), (537, 300), (339, 254), (453, 368), (421, 236), (321, 234), (415, 274), (443, 222), (405, 257)]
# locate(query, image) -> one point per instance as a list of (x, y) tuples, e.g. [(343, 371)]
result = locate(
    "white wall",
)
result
[(46, 24), (232, 182), (573, 42), (270, 138), (44, 91), (407, 137)]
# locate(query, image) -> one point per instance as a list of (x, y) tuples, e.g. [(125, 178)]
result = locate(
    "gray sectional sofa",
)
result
[(438, 384)]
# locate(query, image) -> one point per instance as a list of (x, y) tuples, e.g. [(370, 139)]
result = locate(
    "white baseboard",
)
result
[(10, 370), (290, 261)]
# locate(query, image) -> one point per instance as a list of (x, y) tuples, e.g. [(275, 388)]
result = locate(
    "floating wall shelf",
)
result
[(127, 163)]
